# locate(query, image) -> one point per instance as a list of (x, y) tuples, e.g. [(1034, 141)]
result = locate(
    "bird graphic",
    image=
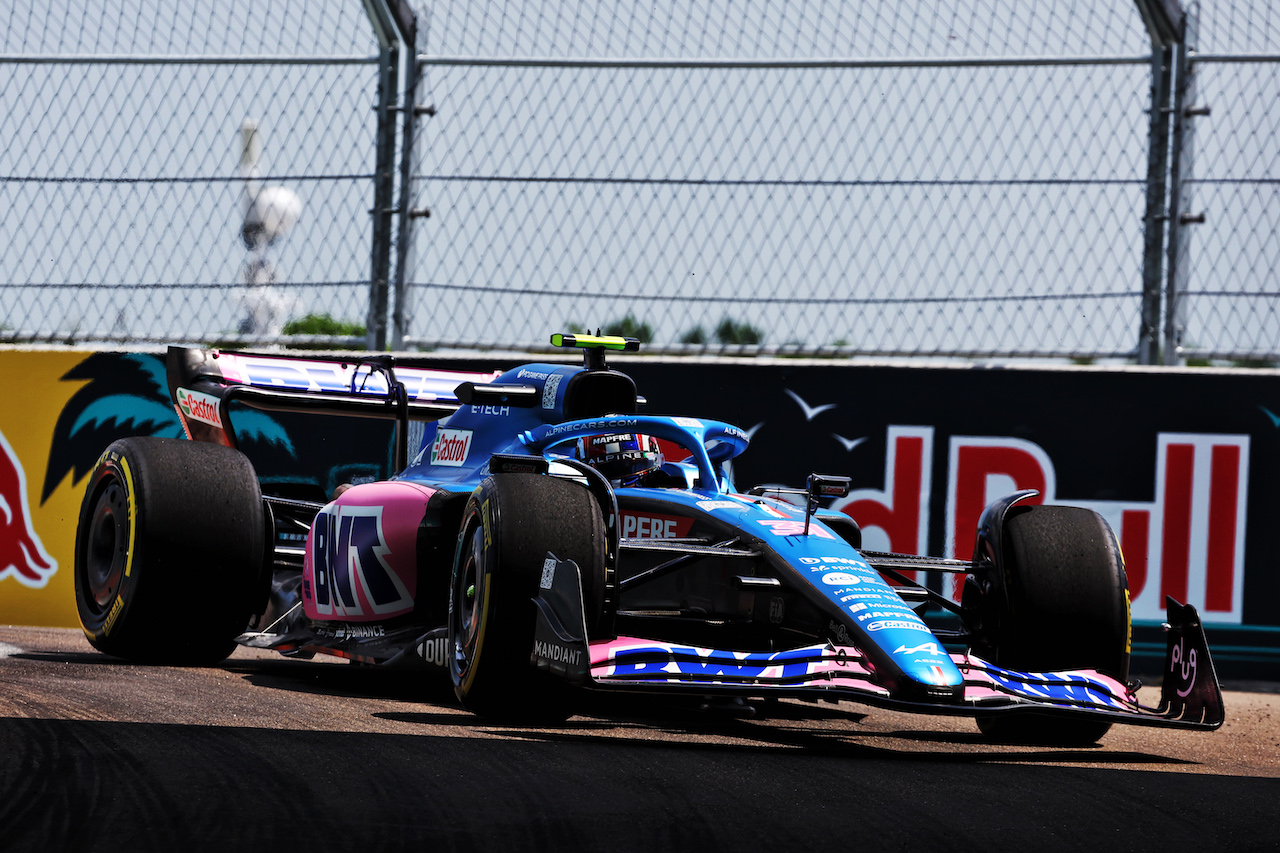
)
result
[(810, 412), (848, 443), (1275, 419)]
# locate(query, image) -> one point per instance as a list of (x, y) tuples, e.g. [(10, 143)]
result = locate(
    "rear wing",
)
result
[(202, 384)]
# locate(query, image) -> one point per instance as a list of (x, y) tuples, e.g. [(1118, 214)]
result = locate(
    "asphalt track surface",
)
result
[(268, 754)]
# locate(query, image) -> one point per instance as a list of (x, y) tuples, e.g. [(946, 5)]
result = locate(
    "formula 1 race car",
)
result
[(548, 537)]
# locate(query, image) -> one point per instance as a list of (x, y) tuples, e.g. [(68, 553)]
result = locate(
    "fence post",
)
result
[(384, 174), (407, 23), (1164, 24), (1182, 167), (1153, 243)]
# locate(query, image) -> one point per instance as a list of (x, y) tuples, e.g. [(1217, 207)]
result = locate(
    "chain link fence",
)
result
[(881, 179), (986, 179), (1224, 285), (129, 209)]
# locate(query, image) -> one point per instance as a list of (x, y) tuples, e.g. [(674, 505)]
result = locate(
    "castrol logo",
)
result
[(199, 407), (451, 447)]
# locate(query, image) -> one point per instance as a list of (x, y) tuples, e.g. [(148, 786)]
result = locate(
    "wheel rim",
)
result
[(467, 592), (107, 546)]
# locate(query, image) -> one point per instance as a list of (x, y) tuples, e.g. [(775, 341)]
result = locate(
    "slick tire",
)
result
[(509, 525), (1066, 606), (169, 551)]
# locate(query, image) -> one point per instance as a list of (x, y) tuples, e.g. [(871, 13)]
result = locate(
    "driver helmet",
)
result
[(625, 459)]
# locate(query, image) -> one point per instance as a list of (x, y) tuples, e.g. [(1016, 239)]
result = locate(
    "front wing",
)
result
[(1190, 694)]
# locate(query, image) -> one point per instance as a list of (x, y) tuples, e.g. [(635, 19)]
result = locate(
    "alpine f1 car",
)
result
[(547, 537)]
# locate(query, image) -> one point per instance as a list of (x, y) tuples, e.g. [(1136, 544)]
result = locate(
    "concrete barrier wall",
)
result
[(1183, 464)]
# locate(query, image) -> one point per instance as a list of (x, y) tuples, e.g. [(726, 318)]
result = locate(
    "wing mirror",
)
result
[(824, 486)]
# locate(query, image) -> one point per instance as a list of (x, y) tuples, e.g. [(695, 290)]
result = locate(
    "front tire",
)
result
[(509, 525), (169, 549), (1062, 602)]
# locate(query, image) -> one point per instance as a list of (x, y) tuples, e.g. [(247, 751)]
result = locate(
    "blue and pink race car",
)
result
[(548, 537)]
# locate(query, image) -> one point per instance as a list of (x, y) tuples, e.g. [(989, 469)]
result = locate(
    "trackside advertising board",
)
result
[(62, 408), (1182, 463), (38, 506)]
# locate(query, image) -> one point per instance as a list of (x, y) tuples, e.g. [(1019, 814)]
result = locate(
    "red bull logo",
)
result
[(1188, 542), (22, 556)]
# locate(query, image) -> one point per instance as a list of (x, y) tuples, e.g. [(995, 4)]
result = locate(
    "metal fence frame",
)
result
[(1185, 110), (71, 336), (390, 20), (402, 338), (401, 103), (1159, 331), (1165, 23)]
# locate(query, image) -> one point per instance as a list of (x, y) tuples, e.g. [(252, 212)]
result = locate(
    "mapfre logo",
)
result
[(451, 447), (22, 556)]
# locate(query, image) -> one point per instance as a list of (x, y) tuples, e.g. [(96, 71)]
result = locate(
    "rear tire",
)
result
[(169, 550), (1065, 606), (509, 525)]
